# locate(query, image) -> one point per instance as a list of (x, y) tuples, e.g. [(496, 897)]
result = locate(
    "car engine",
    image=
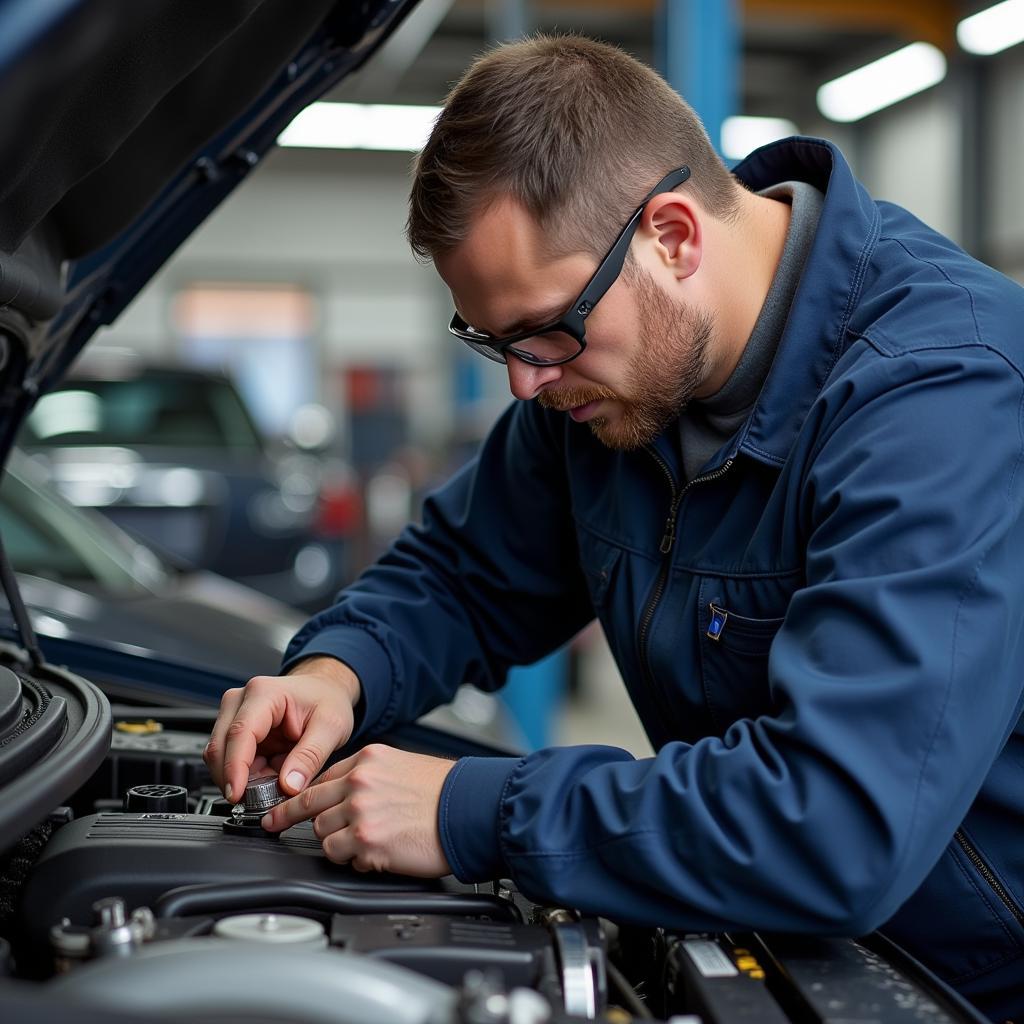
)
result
[(147, 894)]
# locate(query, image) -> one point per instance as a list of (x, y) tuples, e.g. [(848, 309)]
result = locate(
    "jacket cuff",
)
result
[(365, 656), (469, 820)]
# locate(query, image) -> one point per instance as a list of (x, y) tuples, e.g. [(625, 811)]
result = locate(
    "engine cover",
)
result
[(139, 857)]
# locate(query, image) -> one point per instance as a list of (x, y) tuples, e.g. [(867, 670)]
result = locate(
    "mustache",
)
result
[(565, 399)]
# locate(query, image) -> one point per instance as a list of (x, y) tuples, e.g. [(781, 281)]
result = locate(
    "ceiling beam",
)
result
[(932, 21)]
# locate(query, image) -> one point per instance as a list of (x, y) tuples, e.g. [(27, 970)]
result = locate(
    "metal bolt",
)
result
[(110, 912)]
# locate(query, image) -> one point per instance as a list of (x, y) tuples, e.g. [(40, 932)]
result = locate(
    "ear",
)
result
[(671, 225)]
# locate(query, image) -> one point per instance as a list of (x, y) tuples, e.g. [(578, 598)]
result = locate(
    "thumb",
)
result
[(307, 757)]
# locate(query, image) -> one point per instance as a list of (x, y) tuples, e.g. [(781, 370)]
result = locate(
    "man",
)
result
[(770, 434)]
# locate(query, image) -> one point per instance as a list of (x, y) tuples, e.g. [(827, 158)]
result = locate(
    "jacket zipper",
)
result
[(986, 872), (667, 541)]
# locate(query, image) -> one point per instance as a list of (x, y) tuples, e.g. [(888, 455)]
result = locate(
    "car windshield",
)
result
[(45, 536), (183, 411)]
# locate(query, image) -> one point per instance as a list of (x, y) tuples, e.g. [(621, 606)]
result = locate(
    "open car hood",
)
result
[(124, 125)]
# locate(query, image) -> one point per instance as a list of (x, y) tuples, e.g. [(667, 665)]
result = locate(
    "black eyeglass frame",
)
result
[(573, 320)]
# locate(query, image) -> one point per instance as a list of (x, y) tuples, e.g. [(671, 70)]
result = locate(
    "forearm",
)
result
[(467, 594)]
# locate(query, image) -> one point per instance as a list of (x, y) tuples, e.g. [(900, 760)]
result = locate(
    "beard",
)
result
[(669, 367)]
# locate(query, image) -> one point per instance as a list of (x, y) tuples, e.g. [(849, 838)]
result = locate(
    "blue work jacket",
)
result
[(823, 633)]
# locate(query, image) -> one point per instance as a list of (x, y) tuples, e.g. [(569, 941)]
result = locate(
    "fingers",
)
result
[(261, 765), (341, 768), (260, 710), (308, 804), (334, 819), (341, 847), (323, 735), (213, 755)]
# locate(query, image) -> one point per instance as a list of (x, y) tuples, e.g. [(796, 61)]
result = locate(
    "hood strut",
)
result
[(21, 619)]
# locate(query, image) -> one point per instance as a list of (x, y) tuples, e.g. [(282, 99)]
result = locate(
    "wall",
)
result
[(333, 222)]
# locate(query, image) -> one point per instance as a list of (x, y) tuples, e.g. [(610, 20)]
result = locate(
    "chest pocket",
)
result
[(599, 562), (737, 620)]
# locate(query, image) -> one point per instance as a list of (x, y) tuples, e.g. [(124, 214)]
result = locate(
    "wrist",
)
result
[(334, 670)]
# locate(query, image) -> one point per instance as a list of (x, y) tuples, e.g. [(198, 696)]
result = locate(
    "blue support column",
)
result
[(534, 695), (698, 48)]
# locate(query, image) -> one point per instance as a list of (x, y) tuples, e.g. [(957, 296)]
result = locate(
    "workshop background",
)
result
[(294, 338)]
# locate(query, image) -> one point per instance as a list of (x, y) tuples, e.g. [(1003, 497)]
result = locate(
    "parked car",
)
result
[(172, 455), (101, 602), (130, 891), (89, 584)]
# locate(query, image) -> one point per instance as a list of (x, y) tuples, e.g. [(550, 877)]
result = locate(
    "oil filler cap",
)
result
[(261, 794)]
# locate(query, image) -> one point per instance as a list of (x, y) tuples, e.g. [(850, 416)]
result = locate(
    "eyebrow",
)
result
[(533, 320)]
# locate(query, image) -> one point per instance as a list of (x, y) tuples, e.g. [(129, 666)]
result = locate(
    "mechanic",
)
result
[(769, 433)]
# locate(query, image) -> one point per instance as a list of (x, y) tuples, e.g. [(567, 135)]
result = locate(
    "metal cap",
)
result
[(261, 794)]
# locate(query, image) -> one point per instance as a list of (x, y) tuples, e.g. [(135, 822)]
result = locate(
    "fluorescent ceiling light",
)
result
[(882, 82), (740, 135), (360, 126), (994, 29)]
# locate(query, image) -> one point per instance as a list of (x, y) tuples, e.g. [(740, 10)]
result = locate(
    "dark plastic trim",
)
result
[(51, 779), (196, 900)]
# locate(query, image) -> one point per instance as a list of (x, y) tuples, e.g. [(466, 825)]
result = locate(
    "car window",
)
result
[(45, 536), (185, 411)]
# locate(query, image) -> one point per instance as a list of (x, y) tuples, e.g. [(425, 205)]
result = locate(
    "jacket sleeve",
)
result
[(897, 677), (490, 579)]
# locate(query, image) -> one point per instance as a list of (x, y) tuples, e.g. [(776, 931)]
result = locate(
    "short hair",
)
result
[(577, 130)]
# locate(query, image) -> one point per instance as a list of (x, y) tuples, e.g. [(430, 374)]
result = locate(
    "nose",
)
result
[(525, 380)]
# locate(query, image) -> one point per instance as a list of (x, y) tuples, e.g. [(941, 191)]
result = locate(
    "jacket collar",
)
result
[(815, 331)]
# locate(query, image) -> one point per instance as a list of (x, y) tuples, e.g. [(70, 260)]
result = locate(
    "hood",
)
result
[(125, 124), (199, 621)]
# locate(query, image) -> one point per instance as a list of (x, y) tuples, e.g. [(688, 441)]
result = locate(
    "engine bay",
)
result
[(146, 893)]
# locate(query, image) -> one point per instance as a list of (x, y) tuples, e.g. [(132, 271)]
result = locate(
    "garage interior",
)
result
[(282, 288)]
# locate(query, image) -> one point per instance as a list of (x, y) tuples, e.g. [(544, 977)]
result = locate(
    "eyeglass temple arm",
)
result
[(611, 265)]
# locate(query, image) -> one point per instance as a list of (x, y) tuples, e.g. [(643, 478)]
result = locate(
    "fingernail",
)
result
[(295, 779), (228, 792)]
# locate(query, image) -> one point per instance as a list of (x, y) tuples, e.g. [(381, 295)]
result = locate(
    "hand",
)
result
[(376, 810), (292, 723)]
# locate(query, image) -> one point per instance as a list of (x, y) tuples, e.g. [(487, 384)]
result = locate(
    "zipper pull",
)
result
[(670, 534)]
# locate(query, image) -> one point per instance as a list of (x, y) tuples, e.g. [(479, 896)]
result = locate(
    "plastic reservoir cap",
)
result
[(146, 728), (274, 929)]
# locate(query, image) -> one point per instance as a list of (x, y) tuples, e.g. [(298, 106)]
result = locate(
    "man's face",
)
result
[(646, 354)]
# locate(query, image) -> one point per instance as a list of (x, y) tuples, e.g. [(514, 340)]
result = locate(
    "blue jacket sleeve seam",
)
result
[(456, 865), (956, 284), (386, 717), (383, 722), (503, 813)]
